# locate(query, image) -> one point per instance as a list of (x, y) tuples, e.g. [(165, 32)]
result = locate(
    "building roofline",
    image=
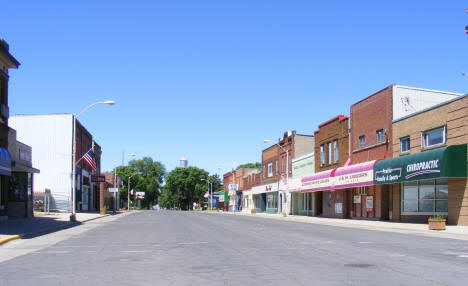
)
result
[(430, 108), (367, 97), (303, 157)]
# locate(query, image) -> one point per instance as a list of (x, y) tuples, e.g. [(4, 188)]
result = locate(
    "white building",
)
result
[(50, 136)]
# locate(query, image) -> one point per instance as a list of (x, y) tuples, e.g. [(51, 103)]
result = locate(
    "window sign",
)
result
[(338, 208), (369, 204), (357, 199)]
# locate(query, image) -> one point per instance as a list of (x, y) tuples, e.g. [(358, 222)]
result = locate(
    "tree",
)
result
[(256, 165), (183, 187), (150, 180)]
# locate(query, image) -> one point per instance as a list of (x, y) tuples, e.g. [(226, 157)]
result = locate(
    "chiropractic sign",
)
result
[(445, 162)]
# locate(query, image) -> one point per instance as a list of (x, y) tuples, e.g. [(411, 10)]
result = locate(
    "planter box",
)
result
[(437, 223), (253, 211)]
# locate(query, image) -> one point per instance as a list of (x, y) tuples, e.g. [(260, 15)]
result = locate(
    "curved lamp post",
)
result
[(108, 102)]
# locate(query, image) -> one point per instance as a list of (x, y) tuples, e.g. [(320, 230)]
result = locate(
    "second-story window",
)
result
[(405, 144), (270, 170), (335, 151), (362, 141), (329, 153), (433, 137), (276, 167), (380, 136), (322, 156)]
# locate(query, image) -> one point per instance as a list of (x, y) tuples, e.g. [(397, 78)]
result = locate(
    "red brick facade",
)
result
[(334, 130), (368, 116)]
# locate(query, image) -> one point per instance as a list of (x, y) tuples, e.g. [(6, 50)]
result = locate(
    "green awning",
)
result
[(445, 162)]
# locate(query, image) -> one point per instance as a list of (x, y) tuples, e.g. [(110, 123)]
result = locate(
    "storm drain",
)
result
[(359, 265)]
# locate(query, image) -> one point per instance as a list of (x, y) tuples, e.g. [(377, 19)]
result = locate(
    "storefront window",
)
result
[(428, 196), (272, 200), (18, 187)]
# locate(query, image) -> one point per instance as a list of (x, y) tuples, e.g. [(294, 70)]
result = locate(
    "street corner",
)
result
[(9, 238)]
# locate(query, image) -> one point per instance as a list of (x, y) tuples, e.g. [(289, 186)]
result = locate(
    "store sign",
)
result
[(221, 198), (357, 199), (369, 204), (140, 195), (445, 162), (419, 168), (232, 187), (113, 190), (388, 175), (98, 179), (354, 179), (319, 184)]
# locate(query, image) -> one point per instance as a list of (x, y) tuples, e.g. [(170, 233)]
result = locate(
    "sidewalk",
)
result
[(452, 231), (41, 224)]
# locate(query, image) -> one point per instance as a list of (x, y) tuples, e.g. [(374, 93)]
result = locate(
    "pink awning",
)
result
[(317, 182), (357, 175)]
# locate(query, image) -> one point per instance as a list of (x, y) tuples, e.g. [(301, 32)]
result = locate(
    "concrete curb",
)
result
[(47, 230)]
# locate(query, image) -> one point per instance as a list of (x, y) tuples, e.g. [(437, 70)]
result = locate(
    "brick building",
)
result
[(7, 61), (370, 140), (428, 172), (331, 152), (292, 146)]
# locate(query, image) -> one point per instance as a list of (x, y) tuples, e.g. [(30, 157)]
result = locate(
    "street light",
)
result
[(108, 102), (287, 162), (211, 192), (128, 188)]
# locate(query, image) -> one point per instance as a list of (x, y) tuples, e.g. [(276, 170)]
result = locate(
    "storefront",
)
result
[(235, 201), (319, 186), (5, 173), (359, 197), (265, 198), (20, 185), (247, 203), (427, 183)]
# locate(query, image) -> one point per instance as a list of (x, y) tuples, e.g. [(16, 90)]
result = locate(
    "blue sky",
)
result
[(210, 80)]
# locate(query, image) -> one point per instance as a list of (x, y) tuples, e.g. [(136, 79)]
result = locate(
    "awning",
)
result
[(294, 185), (358, 175), (15, 167), (317, 182), (446, 162), (5, 162)]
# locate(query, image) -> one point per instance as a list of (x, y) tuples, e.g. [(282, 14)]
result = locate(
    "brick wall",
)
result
[(366, 117), (270, 155), (454, 115), (335, 129)]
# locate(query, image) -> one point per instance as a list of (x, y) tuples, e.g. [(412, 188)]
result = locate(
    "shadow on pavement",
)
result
[(33, 227)]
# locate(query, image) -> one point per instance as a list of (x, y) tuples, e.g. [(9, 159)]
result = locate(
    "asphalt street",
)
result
[(194, 248)]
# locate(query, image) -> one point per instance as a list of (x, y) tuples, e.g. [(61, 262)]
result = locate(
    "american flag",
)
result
[(89, 158)]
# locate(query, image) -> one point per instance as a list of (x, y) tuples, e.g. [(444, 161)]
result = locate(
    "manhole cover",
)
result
[(359, 265)]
